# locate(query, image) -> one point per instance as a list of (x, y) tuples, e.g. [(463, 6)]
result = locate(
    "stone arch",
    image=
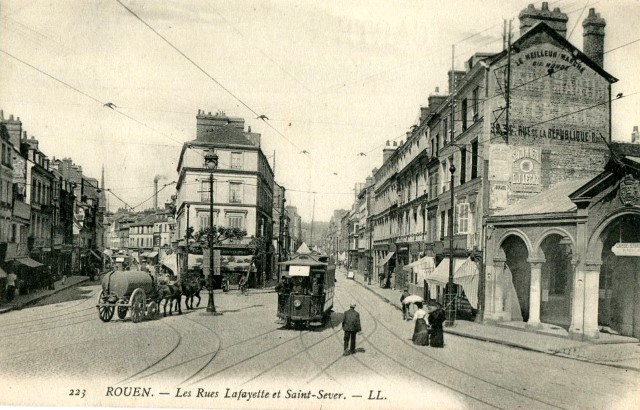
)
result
[(594, 245), (551, 231), (520, 234)]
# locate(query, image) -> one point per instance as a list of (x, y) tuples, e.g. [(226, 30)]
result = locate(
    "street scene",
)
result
[(379, 206)]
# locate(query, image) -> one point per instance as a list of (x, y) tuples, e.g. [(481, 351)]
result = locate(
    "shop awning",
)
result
[(29, 262), (144, 255), (386, 259), (171, 263), (465, 274), (423, 267), (152, 254)]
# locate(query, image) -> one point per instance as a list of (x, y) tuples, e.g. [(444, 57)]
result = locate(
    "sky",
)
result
[(335, 79)]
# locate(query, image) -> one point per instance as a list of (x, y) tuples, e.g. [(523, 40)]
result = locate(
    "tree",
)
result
[(218, 235)]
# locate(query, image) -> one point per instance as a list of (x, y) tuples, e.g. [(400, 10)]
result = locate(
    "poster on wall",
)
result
[(526, 169)]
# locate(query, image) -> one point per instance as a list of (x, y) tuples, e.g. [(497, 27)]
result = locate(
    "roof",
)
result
[(543, 27), (225, 135), (553, 200)]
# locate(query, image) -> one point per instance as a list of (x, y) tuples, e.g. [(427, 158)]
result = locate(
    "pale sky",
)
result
[(335, 78)]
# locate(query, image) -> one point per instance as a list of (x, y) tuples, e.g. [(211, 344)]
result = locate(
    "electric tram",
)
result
[(305, 293)]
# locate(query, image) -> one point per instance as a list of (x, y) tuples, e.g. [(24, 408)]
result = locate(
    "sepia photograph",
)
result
[(293, 204)]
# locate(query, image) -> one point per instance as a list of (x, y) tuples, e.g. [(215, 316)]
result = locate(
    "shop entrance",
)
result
[(516, 254), (619, 293), (556, 283)]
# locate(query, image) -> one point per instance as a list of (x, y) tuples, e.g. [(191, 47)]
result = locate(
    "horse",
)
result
[(169, 293), (191, 287)]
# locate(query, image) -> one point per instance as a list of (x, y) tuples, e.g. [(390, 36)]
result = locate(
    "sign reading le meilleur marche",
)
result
[(626, 249)]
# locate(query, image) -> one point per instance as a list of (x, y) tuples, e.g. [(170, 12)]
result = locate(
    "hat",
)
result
[(353, 305)]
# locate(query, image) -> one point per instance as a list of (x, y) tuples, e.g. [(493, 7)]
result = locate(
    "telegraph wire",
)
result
[(205, 72)]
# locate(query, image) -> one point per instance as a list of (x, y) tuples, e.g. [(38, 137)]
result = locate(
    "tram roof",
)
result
[(304, 260)]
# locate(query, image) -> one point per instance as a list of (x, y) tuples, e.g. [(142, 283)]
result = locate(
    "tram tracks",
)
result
[(446, 365)]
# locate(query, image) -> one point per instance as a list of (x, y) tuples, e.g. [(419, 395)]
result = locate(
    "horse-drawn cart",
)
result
[(135, 292)]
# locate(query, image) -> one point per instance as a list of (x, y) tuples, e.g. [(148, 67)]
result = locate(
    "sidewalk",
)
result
[(616, 351), (21, 301)]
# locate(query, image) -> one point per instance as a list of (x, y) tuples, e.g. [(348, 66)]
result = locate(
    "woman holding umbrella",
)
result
[(436, 319), (421, 330)]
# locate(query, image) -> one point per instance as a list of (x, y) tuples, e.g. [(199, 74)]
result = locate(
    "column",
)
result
[(495, 289), (584, 313), (534, 293)]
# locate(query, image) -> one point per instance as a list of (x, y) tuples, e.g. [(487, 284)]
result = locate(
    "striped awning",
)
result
[(465, 274), (422, 267), (386, 259)]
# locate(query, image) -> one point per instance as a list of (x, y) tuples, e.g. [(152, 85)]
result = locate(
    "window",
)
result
[(449, 220), (204, 191), (437, 151), (203, 220), (235, 192), (463, 218), (235, 221), (474, 104), (444, 172), (445, 130), (236, 160), (474, 159), (443, 226), (463, 165), (463, 114)]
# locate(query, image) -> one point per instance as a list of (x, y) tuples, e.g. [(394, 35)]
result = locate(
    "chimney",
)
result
[(555, 19), (455, 77), (593, 37), (14, 128), (254, 137), (435, 100), (635, 136), (207, 122), (387, 151), (424, 113)]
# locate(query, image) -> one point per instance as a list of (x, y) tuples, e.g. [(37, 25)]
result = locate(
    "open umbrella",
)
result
[(412, 299)]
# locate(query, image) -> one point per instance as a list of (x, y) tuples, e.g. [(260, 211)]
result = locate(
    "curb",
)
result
[(510, 344), (39, 298)]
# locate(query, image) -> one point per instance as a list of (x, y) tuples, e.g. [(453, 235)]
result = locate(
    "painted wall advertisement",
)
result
[(515, 172)]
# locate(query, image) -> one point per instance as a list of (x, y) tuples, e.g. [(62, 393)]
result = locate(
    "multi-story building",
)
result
[(295, 228), (281, 222), (334, 235), (242, 185), (500, 170)]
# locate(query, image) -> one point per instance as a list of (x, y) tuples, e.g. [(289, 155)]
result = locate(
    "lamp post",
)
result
[(450, 302), (211, 162), (186, 264)]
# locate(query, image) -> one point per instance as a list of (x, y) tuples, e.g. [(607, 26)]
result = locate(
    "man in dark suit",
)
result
[(351, 326)]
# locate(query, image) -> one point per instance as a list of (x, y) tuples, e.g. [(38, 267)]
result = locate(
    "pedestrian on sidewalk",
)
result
[(351, 326), (11, 285), (421, 330), (405, 307), (436, 319)]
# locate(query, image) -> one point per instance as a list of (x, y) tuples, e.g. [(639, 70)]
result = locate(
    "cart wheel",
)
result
[(152, 310), (105, 312), (138, 305), (122, 312)]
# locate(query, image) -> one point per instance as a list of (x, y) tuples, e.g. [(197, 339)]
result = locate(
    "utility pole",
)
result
[(186, 269), (313, 214), (507, 85), (450, 307)]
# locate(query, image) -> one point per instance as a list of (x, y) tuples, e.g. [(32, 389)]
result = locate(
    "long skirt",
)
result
[(421, 333), (437, 336)]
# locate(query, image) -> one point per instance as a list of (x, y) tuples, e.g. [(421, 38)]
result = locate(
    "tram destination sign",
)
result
[(626, 249)]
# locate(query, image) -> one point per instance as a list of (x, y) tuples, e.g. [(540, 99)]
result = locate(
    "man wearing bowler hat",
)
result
[(351, 326)]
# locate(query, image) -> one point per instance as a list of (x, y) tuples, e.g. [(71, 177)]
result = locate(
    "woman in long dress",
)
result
[(436, 319), (421, 330)]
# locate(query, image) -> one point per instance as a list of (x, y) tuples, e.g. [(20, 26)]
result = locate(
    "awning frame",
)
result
[(386, 259)]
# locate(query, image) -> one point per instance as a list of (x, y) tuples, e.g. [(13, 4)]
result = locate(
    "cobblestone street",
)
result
[(62, 344)]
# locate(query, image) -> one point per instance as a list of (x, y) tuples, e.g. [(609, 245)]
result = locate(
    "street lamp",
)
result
[(211, 163), (450, 302), (186, 269)]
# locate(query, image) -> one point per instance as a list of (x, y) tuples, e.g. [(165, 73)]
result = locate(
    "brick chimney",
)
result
[(387, 151), (593, 37), (209, 121), (555, 19), (424, 113), (435, 100), (14, 127)]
